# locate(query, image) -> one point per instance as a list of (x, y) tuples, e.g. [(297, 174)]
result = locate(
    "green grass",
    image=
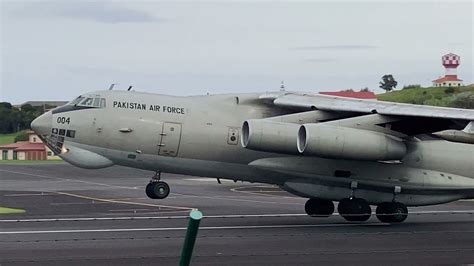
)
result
[(4, 210), (7, 138), (437, 96), (30, 161)]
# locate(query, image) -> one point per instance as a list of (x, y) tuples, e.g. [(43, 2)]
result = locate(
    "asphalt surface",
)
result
[(102, 217)]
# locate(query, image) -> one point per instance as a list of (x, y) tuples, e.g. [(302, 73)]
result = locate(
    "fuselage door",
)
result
[(170, 139)]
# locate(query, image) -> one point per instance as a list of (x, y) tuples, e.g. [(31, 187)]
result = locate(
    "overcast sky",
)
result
[(56, 50)]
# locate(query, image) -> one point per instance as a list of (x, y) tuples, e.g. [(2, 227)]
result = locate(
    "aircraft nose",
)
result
[(42, 124)]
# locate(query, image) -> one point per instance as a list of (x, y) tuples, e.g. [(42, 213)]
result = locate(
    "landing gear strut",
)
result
[(157, 189), (391, 212), (319, 207)]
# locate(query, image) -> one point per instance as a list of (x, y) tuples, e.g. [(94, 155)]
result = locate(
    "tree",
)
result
[(12, 119), (388, 83)]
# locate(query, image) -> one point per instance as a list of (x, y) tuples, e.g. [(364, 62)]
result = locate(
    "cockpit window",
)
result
[(91, 101), (81, 103), (96, 102), (86, 102)]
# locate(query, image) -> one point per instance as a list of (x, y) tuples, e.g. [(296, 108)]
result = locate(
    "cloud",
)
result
[(336, 47), (320, 60), (103, 12)]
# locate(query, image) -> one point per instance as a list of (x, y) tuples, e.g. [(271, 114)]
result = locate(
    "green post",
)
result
[(195, 217)]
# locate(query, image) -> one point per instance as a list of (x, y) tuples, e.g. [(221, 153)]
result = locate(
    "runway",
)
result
[(102, 217)]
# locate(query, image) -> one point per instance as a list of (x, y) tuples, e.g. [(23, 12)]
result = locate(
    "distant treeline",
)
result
[(14, 119)]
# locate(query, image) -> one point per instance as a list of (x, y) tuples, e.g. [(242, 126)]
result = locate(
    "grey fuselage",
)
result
[(200, 135)]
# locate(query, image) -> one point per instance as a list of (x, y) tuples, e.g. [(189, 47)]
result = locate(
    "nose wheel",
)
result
[(157, 189)]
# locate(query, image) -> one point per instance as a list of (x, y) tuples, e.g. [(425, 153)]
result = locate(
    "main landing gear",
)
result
[(355, 209), (157, 189)]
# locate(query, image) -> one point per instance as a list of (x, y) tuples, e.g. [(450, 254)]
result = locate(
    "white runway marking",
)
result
[(234, 216), (239, 199), (107, 230), (208, 179), (29, 194)]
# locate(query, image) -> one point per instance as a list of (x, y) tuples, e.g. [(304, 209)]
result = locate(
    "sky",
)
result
[(56, 50)]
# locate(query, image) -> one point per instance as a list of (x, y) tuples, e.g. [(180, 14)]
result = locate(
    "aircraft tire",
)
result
[(319, 207), (391, 212), (354, 210), (157, 190)]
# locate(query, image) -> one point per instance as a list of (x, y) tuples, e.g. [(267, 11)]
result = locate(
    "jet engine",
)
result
[(269, 136), (348, 143)]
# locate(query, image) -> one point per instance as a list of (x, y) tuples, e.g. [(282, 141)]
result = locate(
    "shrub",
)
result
[(449, 90), (464, 100), (411, 86), (21, 136)]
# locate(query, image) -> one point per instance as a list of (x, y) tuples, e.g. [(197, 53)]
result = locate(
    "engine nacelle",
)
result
[(269, 136), (348, 143)]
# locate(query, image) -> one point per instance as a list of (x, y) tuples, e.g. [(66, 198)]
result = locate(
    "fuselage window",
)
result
[(102, 102)]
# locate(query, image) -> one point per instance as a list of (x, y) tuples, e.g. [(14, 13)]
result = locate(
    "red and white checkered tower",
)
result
[(451, 63)]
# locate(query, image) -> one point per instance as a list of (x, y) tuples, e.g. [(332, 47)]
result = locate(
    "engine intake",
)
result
[(348, 143)]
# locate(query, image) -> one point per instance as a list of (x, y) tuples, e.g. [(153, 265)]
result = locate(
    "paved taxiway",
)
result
[(82, 217)]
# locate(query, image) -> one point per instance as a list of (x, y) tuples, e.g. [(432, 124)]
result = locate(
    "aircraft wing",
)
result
[(305, 101), (410, 119)]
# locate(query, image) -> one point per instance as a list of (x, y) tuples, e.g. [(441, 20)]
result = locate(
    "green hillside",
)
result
[(7, 138), (460, 97)]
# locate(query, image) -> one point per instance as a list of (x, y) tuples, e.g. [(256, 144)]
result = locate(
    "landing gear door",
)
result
[(170, 139)]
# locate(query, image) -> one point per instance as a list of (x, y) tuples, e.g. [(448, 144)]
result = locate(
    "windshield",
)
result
[(89, 101), (76, 101)]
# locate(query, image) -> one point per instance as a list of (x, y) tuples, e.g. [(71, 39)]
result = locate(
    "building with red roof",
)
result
[(353, 94), (33, 149)]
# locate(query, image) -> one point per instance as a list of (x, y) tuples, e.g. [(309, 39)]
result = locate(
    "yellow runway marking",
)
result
[(124, 202), (4, 210)]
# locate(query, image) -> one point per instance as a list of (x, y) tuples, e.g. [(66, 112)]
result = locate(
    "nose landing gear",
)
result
[(157, 189)]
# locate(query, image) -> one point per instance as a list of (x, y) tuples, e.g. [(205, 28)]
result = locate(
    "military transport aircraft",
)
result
[(324, 148)]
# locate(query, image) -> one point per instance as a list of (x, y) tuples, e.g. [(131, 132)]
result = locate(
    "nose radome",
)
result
[(42, 124)]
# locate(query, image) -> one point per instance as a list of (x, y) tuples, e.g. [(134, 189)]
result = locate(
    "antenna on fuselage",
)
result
[(129, 88), (111, 86)]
